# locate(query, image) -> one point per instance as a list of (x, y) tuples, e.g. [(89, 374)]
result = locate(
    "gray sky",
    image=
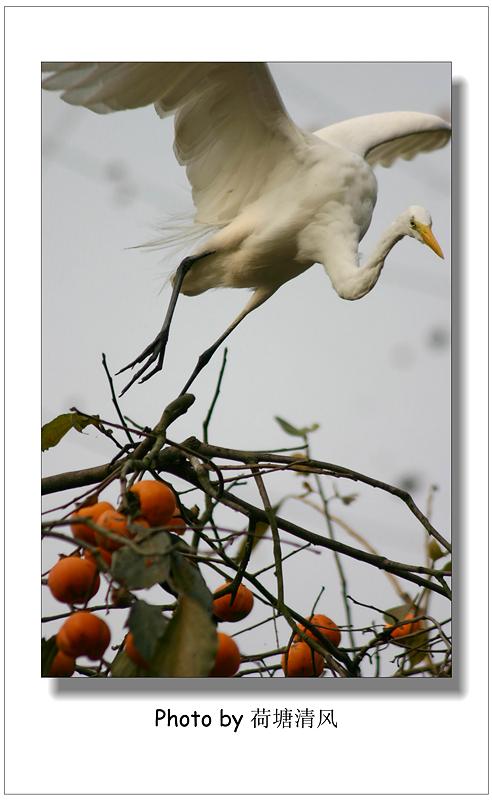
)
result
[(375, 374)]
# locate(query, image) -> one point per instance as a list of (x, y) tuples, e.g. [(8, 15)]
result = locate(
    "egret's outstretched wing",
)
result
[(231, 128), (382, 138)]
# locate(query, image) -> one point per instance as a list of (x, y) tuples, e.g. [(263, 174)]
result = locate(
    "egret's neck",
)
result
[(352, 282), (386, 243)]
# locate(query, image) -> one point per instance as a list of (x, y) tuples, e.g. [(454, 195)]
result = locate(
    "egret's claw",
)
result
[(156, 351), (157, 346)]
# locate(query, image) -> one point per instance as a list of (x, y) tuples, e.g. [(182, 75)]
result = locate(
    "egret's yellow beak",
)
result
[(430, 240)]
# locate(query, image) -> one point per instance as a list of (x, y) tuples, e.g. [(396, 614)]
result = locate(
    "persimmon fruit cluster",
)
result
[(300, 659), (92, 555), (156, 506), (83, 531), (119, 524)]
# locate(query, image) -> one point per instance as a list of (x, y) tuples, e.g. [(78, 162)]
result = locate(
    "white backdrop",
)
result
[(310, 374)]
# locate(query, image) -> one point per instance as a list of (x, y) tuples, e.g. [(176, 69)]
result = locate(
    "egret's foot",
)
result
[(157, 348), (155, 351)]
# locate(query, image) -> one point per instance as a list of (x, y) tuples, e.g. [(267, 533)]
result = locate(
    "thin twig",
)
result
[(284, 558), (338, 561), (277, 548), (316, 603), (324, 468), (115, 401)]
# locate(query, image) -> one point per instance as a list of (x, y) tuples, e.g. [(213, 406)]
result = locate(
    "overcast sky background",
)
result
[(375, 374)]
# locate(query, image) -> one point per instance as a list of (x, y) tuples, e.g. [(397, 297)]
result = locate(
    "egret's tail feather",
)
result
[(176, 234)]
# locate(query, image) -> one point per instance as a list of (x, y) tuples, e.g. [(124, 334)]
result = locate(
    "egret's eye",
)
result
[(413, 224)]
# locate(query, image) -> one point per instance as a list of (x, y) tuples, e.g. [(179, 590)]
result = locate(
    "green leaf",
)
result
[(123, 667), (447, 567), (287, 427), (418, 646), (434, 551), (189, 645), (54, 431), (147, 625), (146, 568), (48, 653), (185, 578)]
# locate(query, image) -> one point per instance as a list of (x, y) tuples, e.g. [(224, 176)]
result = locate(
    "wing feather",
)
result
[(382, 138), (231, 128)]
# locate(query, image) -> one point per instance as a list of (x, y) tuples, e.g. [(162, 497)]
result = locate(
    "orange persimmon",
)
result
[(227, 659), (157, 501), (73, 580), (229, 610)]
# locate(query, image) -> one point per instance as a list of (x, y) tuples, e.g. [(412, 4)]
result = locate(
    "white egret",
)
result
[(278, 199)]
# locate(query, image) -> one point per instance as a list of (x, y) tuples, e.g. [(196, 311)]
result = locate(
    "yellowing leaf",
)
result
[(123, 667), (189, 645), (54, 431), (434, 551)]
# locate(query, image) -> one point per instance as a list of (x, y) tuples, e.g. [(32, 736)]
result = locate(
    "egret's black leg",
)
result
[(156, 350), (204, 359), (259, 297)]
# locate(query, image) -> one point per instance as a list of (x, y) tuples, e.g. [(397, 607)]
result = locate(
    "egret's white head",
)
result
[(418, 224)]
